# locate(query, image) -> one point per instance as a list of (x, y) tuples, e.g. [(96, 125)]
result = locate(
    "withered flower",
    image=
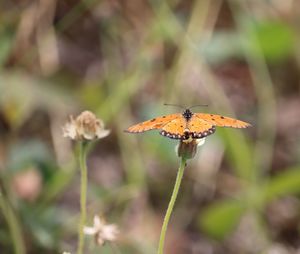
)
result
[(85, 127), (102, 231), (188, 148)]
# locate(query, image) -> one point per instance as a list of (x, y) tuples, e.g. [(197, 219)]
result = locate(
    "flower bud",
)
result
[(188, 148)]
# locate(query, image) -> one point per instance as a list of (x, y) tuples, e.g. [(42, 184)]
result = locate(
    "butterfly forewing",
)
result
[(155, 123), (222, 121), (199, 128), (175, 129)]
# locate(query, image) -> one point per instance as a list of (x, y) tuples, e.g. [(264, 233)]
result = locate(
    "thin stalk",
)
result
[(83, 188), (171, 205), (13, 225), (114, 248)]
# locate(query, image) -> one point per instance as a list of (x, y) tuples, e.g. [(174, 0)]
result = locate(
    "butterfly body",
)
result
[(187, 114), (187, 125)]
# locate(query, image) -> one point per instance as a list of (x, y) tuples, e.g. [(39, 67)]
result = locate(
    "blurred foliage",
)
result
[(123, 60)]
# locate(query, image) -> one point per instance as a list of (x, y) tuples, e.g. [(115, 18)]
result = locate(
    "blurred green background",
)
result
[(123, 60)]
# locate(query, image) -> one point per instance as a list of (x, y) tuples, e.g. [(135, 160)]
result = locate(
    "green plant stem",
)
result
[(13, 224), (171, 205), (83, 188)]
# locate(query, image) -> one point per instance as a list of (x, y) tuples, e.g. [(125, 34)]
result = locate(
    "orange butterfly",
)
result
[(187, 125)]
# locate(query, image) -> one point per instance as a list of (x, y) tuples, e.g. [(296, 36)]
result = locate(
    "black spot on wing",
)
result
[(152, 120)]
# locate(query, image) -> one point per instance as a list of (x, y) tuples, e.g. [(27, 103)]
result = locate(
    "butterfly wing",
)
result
[(222, 121), (180, 128), (175, 129), (155, 123), (199, 128)]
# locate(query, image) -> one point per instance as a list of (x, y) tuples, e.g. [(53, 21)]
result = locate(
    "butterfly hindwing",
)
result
[(155, 123), (222, 121), (199, 128), (175, 129)]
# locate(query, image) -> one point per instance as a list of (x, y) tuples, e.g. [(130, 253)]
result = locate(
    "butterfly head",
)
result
[(187, 114)]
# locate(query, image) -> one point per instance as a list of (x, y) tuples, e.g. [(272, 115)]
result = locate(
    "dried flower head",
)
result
[(188, 148), (102, 231), (85, 127)]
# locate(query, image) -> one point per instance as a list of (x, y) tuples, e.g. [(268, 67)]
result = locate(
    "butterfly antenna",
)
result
[(174, 105), (199, 105)]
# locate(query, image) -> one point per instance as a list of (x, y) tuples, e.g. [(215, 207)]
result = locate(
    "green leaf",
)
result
[(274, 39), (220, 219), (28, 153), (5, 45), (240, 152), (21, 94), (45, 225), (282, 184)]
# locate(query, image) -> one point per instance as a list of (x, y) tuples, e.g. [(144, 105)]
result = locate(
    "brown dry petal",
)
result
[(85, 127)]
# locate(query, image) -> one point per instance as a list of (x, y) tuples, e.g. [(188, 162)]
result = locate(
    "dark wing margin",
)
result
[(199, 128), (175, 129)]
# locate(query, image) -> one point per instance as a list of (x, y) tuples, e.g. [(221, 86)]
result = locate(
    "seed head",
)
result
[(85, 127), (188, 148)]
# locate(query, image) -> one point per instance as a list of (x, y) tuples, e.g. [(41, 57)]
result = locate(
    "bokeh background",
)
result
[(123, 60)]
